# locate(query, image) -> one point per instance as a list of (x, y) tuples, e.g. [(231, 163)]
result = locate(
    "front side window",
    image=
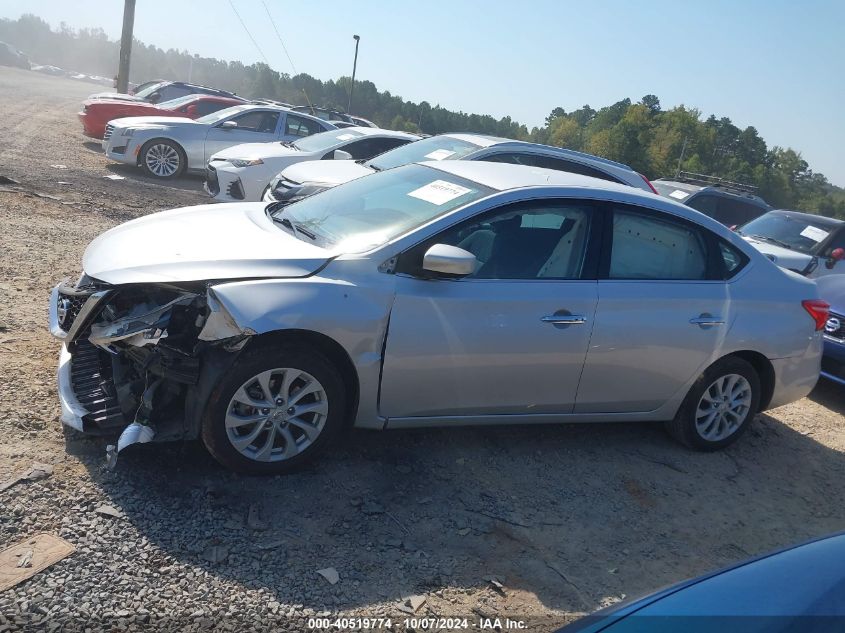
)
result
[(368, 212), (258, 121), (536, 240), (647, 247)]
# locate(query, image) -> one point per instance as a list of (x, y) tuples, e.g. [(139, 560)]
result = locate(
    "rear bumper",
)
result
[(796, 376)]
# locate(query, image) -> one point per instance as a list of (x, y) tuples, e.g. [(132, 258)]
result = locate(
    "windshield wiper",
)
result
[(288, 144), (294, 228), (772, 240)]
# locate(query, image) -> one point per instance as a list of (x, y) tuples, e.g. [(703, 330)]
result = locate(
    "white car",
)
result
[(305, 179), (164, 147), (244, 172)]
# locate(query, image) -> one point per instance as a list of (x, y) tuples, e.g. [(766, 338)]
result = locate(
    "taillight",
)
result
[(819, 310), (648, 182)]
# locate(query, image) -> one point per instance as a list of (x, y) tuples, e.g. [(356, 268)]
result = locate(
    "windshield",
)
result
[(175, 103), (432, 148), (214, 117), (146, 92), (789, 231), (368, 212), (325, 140)]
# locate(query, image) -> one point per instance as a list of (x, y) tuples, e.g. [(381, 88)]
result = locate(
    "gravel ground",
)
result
[(566, 518)]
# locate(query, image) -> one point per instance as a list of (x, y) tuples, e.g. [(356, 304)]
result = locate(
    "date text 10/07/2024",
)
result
[(419, 624)]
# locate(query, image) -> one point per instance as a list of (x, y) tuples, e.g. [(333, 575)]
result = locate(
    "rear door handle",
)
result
[(564, 319), (706, 320)]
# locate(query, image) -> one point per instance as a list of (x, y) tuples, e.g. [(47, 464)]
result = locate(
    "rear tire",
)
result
[(719, 406), (275, 411), (162, 159)]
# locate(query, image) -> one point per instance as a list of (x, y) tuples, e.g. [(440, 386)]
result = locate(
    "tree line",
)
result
[(654, 141)]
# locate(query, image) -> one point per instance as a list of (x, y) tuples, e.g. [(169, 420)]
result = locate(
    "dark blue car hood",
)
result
[(832, 290)]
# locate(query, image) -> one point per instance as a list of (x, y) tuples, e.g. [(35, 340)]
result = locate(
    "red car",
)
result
[(97, 112)]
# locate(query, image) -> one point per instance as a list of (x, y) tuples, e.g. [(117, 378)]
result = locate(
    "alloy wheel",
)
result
[(162, 160), (276, 415), (723, 407)]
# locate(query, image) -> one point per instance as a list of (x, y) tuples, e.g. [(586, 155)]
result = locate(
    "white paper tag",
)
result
[(345, 137), (439, 192), (439, 154), (814, 233), (680, 195)]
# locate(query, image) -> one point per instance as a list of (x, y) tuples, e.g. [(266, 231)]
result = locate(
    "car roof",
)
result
[(691, 188), (811, 217)]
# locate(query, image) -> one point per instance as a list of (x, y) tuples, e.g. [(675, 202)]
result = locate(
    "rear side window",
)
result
[(732, 260), (647, 247), (550, 162)]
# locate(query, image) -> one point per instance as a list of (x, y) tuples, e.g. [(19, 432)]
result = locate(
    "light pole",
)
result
[(357, 39)]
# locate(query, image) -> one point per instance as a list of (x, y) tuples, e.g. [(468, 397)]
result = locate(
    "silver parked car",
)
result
[(164, 147), (447, 293), (305, 179)]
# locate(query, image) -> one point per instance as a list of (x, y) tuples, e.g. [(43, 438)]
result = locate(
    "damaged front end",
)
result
[(139, 359)]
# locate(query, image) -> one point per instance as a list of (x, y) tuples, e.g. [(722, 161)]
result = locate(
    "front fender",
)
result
[(354, 316)]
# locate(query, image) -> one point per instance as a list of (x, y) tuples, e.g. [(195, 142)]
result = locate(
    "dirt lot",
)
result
[(568, 518)]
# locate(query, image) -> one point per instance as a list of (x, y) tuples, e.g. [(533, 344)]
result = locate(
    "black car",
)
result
[(798, 589), (730, 203)]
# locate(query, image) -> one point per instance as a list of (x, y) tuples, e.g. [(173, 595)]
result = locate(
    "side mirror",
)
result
[(339, 154), (191, 111), (836, 255), (449, 260), (155, 97), (228, 125)]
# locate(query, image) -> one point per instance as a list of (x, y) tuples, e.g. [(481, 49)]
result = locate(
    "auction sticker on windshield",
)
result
[(345, 137), (439, 192), (680, 195), (814, 233), (439, 154)]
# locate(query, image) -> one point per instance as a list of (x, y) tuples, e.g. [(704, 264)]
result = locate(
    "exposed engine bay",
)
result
[(137, 357)]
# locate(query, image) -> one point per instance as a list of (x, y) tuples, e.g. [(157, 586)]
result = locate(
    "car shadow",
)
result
[(185, 182), (93, 146), (829, 394), (578, 515)]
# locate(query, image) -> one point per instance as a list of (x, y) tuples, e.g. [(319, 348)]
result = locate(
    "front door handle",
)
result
[(706, 320), (564, 319)]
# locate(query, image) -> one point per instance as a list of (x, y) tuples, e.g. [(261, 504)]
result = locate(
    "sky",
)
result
[(778, 65)]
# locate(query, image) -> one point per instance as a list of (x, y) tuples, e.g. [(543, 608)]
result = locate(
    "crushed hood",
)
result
[(257, 150), (326, 172), (220, 241), (783, 257)]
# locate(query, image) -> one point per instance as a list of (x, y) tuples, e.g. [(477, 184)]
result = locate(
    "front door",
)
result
[(255, 126), (661, 314), (509, 339)]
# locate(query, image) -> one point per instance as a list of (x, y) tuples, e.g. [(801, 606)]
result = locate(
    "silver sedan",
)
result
[(164, 147), (448, 293)]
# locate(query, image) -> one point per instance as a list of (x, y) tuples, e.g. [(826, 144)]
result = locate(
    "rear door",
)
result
[(254, 126), (662, 311)]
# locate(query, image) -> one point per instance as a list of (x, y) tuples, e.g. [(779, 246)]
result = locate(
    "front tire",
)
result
[(719, 406), (163, 159), (274, 411)]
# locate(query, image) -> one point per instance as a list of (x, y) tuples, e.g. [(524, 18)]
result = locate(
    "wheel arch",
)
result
[(330, 348), (765, 372), (177, 144)]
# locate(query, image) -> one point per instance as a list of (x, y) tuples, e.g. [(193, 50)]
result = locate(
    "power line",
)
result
[(281, 41), (248, 33)]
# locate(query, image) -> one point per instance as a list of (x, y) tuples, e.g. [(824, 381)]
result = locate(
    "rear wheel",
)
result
[(719, 406), (161, 158), (276, 410)]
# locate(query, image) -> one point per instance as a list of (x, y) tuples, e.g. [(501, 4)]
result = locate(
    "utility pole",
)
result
[(354, 68), (681, 157), (126, 45)]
